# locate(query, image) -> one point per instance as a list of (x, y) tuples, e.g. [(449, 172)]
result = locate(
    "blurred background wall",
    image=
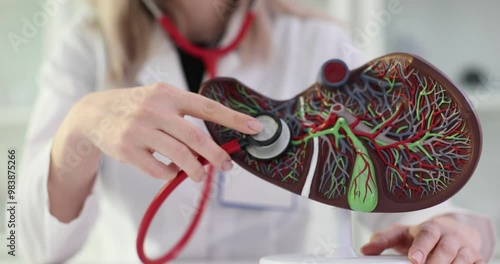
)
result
[(461, 37)]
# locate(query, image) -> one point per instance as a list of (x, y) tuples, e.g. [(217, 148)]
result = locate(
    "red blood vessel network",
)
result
[(394, 135)]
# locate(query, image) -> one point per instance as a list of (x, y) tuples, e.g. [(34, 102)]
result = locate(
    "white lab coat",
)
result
[(107, 225)]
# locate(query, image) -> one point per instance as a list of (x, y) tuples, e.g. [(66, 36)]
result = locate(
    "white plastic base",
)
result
[(310, 259), (341, 251)]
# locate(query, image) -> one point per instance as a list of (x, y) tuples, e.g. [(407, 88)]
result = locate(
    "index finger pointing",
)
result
[(204, 108)]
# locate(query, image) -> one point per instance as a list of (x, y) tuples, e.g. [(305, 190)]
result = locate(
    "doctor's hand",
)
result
[(131, 124), (441, 240)]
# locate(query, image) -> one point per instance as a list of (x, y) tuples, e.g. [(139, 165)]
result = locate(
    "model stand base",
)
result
[(342, 254), (310, 259)]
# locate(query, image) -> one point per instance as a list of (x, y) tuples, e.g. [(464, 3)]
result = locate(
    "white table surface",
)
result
[(218, 262), (496, 261), (14, 260), (246, 262)]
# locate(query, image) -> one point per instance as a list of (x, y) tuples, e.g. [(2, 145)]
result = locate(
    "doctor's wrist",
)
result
[(73, 156), (74, 162)]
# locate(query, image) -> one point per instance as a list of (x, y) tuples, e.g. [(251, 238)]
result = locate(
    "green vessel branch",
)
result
[(363, 192)]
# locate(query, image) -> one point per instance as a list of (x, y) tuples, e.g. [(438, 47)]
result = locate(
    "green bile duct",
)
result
[(363, 192)]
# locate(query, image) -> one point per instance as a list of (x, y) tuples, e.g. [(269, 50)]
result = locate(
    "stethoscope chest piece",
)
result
[(272, 141)]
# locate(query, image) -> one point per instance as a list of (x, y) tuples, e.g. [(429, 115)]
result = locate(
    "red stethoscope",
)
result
[(210, 58)]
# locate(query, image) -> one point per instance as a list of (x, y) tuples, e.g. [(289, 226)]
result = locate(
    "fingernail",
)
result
[(418, 256), (228, 165), (255, 125)]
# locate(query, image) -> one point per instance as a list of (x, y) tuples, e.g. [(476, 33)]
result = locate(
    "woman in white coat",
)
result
[(116, 104)]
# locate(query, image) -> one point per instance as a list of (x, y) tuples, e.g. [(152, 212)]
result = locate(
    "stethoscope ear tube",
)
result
[(209, 56)]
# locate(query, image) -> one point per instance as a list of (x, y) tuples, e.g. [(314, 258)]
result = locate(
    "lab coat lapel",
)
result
[(164, 64), (227, 66)]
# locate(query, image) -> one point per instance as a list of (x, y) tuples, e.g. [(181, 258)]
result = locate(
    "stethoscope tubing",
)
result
[(231, 148), (210, 58)]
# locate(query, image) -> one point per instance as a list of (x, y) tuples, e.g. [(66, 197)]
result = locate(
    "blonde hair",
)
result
[(127, 25)]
